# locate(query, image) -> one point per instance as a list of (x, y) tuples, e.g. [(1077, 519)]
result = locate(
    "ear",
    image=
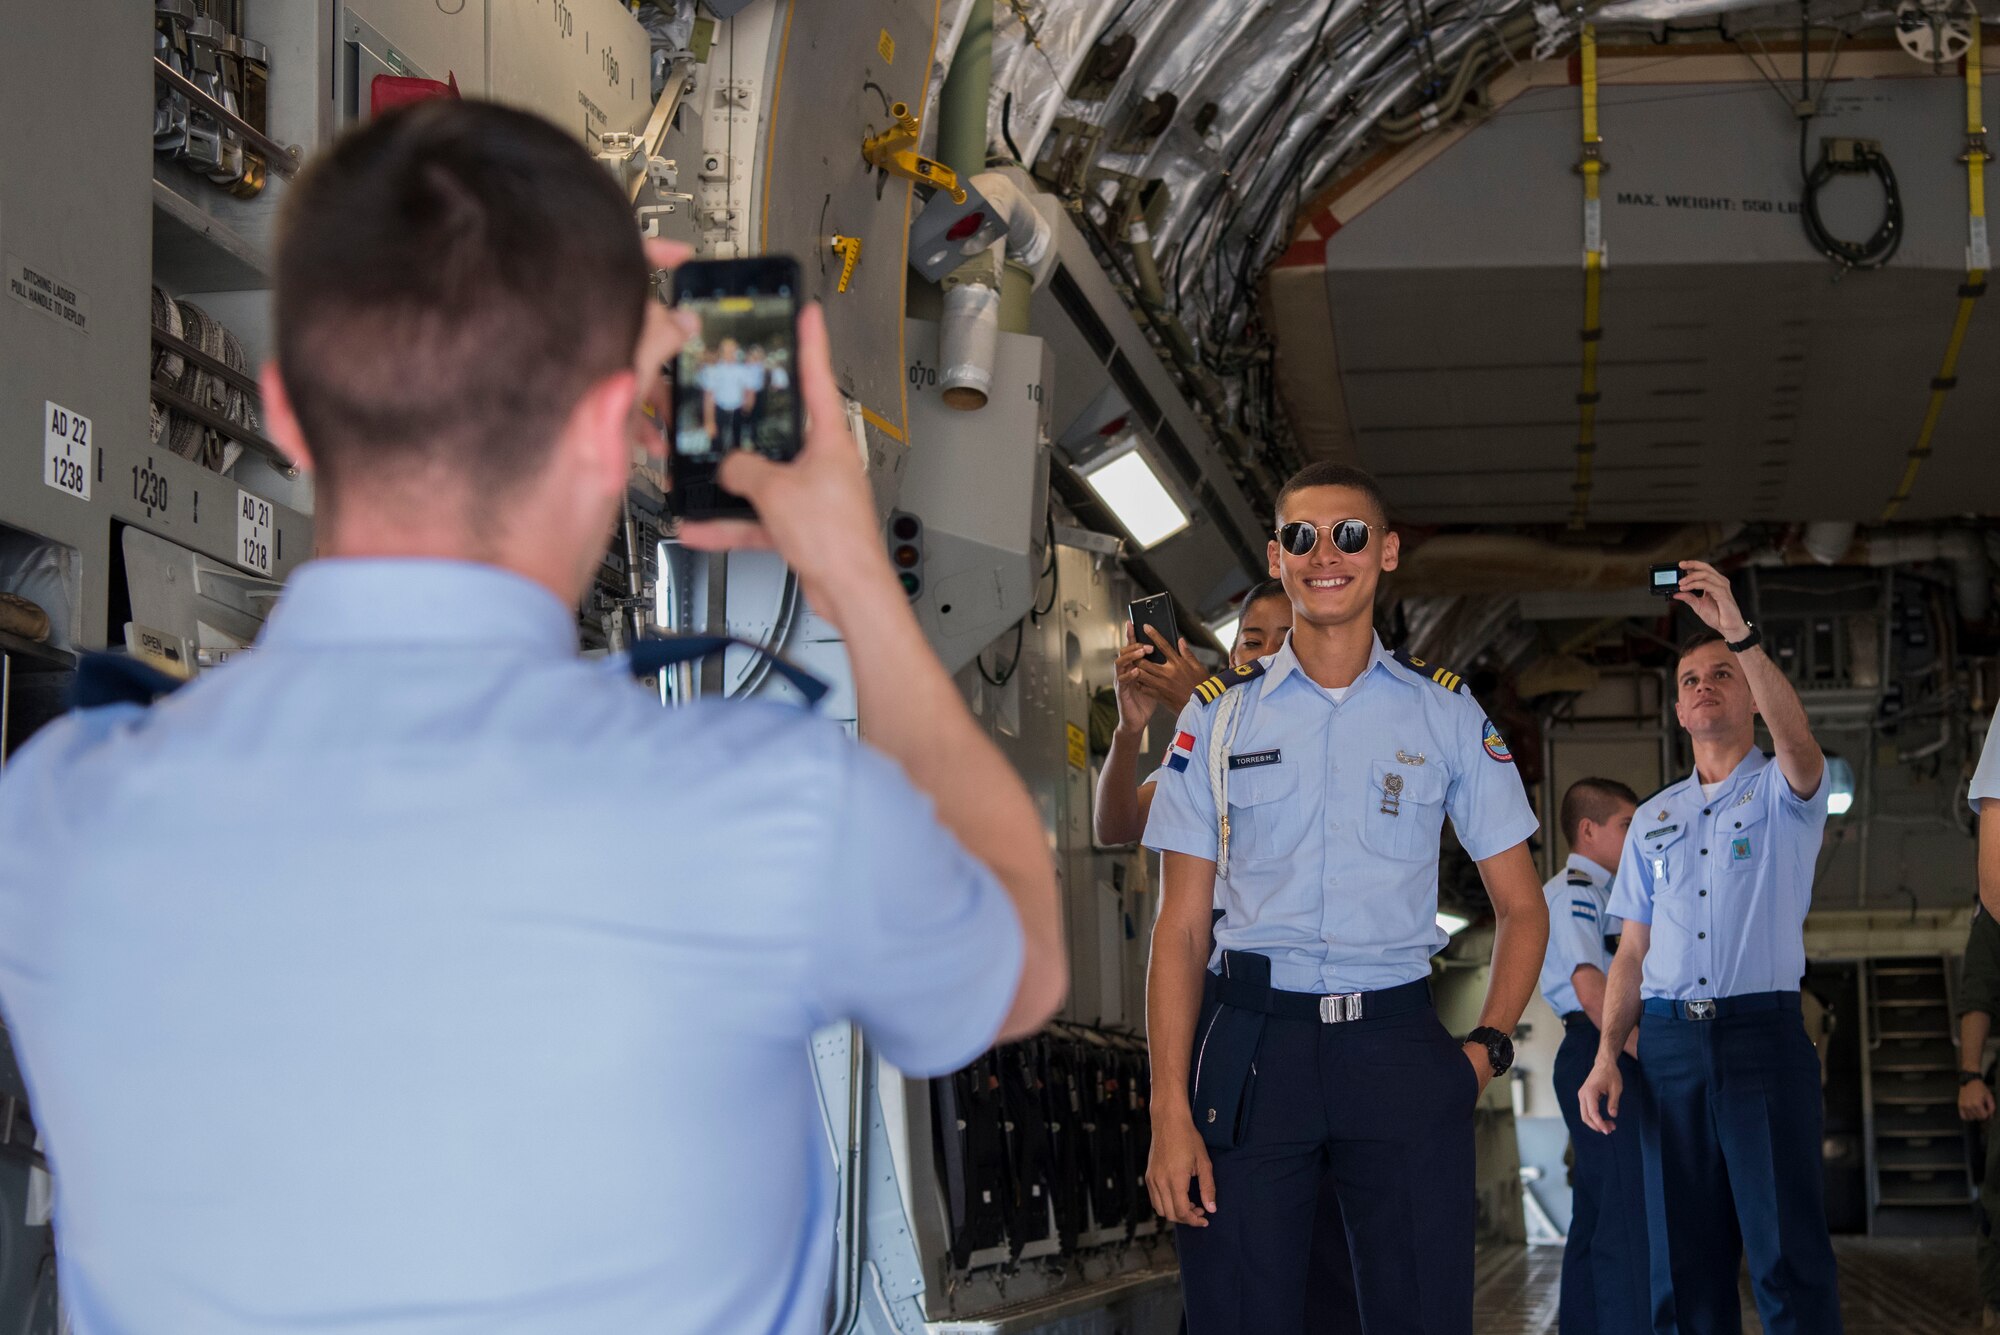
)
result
[(601, 431), (1271, 554), (1392, 549), (281, 424)]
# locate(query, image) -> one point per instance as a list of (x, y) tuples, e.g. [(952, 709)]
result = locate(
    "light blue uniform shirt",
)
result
[(414, 974), (1986, 779), (1578, 925), (1333, 882), (1724, 881)]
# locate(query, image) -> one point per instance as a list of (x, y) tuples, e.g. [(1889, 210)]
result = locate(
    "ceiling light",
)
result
[(1453, 923), (1225, 630), (1126, 482), (1839, 786)]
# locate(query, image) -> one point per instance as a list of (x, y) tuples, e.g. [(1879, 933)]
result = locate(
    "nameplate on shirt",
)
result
[(1252, 759), (1664, 829)]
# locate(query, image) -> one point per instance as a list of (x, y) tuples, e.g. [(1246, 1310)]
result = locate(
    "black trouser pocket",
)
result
[(1225, 1057)]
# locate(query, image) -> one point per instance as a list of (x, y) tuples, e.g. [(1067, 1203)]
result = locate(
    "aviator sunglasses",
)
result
[(1299, 537)]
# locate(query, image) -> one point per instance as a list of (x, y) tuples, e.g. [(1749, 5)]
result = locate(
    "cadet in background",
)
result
[(1604, 1276), (1144, 688), (1305, 799), (367, 875), (1978, 1003), (1713, 890)]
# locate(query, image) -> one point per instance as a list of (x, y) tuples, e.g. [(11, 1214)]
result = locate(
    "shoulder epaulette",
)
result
[(1578, 878), (1661, 789), (1444, 677), (1209, 691)]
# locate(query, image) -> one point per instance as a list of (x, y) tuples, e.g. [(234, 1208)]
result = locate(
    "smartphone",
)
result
[(1157, 612), (735, 383), (1666, 580)]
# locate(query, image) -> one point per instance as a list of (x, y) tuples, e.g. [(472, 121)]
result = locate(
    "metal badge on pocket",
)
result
[(1392, 795)]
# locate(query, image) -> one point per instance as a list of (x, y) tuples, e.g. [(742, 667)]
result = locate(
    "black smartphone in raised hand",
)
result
[(735, 383), (1157, 612)]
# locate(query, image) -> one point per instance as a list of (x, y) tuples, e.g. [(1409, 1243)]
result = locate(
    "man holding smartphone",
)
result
[(1713, 888), (415, 864), (1295, 1037)]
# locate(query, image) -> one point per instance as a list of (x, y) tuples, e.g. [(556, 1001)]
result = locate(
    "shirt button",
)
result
[(1704, 811), (1704, 852), (1704, 894), (1739, 824), (1702, 981), (1701, 936)]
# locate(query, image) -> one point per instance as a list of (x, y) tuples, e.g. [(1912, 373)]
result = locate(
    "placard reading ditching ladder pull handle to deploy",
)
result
[(253, 532)]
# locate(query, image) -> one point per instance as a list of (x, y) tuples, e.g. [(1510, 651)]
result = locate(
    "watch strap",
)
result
[(1747, 643), (1499, 1047), (1967, 1077)]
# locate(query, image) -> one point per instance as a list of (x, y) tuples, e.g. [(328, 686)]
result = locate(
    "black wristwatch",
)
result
[(1967, 1077), (1499, 1047), (1751, 639)]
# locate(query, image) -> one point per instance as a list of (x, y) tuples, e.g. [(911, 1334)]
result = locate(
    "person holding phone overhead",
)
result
[(408, 910), (1309, 1001), (1713, 887)]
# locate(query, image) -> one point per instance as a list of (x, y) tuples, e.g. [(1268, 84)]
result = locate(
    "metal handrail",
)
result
[(216, 422), (280, 158), (220, 369)]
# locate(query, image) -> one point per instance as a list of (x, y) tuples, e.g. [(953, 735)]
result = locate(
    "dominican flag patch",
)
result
[(1180, 752)]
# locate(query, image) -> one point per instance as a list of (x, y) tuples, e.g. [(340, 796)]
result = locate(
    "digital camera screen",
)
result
[(735, 380)]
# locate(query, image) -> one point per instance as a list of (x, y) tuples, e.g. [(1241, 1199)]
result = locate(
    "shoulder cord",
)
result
[(1221, 736)]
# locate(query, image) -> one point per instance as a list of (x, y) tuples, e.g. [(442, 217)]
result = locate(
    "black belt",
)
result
[(1575, 1018), (1721, 1008), (1339, 1008)]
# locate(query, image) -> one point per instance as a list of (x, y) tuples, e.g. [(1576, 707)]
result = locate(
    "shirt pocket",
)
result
[(1675, 882), (1403, 823), (1742, 831), (1265, 820)]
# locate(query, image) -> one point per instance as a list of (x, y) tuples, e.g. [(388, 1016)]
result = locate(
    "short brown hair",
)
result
[(451, 278), (1327, 474), (1593, 800), (1700, 639)]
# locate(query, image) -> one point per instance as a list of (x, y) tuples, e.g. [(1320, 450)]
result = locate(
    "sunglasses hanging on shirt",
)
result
[(1299, 537)]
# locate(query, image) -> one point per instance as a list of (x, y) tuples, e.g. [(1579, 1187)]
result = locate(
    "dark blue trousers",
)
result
[(1606, 1280), (1383, 1107), (1732, 1149)]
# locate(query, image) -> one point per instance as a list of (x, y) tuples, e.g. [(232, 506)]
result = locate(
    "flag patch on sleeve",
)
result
[(1180, 752)]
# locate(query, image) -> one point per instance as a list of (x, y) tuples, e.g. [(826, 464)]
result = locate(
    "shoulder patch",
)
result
[(1577, 878), (1210, 690), (1442, 676)]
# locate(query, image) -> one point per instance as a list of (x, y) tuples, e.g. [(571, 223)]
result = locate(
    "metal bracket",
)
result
[(895, 151)]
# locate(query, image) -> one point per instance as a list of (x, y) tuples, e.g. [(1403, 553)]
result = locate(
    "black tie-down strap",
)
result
[(658, 653), (118, 679)]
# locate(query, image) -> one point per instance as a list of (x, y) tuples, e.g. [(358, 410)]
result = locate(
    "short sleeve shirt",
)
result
[(1335, 811), (471, 986), (1578, 925), (1986, 779), (1725, 882)]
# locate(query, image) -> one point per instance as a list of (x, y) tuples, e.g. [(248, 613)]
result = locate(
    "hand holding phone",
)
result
[(735, 381), (1157, 612)]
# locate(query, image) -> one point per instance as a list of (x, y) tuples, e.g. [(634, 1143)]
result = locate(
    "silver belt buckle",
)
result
[(1699, 1010), (1340, 1007)]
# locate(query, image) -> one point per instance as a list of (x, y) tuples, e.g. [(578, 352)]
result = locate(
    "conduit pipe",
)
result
[(970, 333), (1507, 563), (1960, 548)]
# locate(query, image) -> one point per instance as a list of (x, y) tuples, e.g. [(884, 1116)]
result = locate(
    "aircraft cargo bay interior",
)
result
[(1077, 667)]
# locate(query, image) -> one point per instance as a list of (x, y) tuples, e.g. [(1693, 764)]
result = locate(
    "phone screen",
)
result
[(735, 382)]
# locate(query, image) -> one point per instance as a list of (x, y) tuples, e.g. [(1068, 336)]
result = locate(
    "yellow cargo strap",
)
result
[(1591, 165), (1978, 259)]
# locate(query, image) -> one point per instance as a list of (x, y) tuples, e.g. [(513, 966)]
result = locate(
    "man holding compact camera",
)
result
[(559, 950), (1713, 887)]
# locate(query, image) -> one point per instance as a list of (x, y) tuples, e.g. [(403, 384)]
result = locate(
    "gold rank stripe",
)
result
[(1210, 691), (1446, 678)]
